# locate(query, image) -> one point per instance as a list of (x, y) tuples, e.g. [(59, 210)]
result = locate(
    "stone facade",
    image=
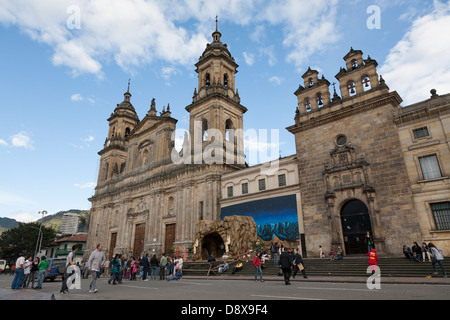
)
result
[(146, 200), (350, 154), (360, 166)]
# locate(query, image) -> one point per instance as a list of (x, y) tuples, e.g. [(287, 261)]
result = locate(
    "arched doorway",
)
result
[(211, 246), (355, 220)]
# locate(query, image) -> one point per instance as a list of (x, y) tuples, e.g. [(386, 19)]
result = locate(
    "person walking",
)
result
[(257, 265), (154, 265), (286, 266), (437, 257), (298, 265), (96, 262), (43, 265), (18, 277), (70, 261), (115, 269), (162, 267)]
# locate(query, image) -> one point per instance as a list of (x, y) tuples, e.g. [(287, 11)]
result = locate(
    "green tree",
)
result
[(22, 240)]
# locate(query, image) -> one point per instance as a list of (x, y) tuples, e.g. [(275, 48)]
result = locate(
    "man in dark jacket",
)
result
[(298, 265), (146, 265), (286, 265)]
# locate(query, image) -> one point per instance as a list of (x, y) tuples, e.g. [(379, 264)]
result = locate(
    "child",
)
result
[(373, 260), (321, 255)]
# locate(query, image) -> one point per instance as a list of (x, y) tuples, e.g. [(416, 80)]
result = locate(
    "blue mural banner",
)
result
[(273, 217)]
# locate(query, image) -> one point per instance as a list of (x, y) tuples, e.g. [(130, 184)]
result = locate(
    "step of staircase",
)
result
[(349, 266)]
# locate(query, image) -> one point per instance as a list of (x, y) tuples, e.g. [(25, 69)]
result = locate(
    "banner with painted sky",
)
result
[(273, 216)]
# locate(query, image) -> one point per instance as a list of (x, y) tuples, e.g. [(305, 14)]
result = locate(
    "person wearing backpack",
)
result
[(437, 257)]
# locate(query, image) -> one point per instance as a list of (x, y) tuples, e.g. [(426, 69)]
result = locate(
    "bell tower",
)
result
[(121, 124), (216, 114)]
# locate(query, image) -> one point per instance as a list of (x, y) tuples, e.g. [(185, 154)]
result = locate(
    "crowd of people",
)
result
[(426, 251), (27, 270)]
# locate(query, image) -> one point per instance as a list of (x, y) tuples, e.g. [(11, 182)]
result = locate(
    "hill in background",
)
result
[(51, 221)]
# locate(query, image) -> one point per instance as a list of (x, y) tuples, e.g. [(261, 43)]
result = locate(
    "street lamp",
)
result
[(40, 236)]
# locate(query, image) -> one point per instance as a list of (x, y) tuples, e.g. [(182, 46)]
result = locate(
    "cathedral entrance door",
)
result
[(170, 237), (139, 240), (355, 223), (112, 245)]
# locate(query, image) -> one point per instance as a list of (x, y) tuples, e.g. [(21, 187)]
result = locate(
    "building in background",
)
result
[(69, 223)]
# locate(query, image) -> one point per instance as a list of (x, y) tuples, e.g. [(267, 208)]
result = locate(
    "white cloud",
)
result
[(3, 143), (87, 185), (76, 97), (276, 80), (79, 98), (24, 217), (136, 32), (249, 58), (22, 140), (310, 26), (420, 61)]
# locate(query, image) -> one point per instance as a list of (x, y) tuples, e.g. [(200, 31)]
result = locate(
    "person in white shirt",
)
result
[(15, 285), (26, 271)]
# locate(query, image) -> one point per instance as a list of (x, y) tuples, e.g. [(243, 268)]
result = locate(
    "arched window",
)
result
[(319, 100), (127, 132), (308, 104), (311, 82), (354, 64), (225, 80), (351, 88), (366, 83), (208, 80), (145, 159), (205, 129), (228, 128)]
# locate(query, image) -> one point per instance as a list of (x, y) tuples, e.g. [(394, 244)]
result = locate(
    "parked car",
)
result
[(52, 270), (2, 265)]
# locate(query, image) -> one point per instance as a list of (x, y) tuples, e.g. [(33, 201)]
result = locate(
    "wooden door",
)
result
[(170, 237), (139, 240), (112, 245)]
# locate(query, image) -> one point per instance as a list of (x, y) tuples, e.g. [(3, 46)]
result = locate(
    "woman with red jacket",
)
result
[(257, 264)]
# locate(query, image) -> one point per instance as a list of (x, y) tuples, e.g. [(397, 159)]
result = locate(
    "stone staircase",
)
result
[(348, 267)]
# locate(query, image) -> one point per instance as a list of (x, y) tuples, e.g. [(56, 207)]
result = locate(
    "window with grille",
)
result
[(230, 192), (441, 214), (420, 133), (262, 184), (281, 180), (430, 167), (244, 188)]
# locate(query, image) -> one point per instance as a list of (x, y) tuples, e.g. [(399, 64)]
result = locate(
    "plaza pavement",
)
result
[(6, 293)]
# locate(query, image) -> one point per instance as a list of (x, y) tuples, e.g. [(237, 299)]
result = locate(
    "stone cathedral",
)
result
[(363, 163), (144, 202)]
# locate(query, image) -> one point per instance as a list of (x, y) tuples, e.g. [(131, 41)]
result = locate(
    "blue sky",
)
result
[(64, 65)]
